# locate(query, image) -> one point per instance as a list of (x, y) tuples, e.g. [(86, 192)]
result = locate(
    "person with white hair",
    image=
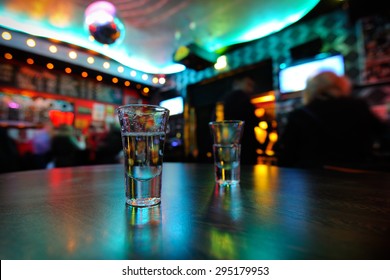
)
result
[(326, 85), (332, 128)]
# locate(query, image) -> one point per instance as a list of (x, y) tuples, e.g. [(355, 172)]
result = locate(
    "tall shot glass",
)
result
[(227, 150), (143, 129)]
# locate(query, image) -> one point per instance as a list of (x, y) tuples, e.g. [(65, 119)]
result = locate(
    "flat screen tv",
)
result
[(293, 77), (174, 105)]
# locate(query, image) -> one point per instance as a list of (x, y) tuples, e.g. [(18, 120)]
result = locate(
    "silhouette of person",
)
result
[(332, 128), (25, 148), (9, 154), (238, 106), (66, 147), (110, 146), (42, 145)]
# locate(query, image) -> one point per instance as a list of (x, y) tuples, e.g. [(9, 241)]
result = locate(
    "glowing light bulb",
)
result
[(90, 60), (53, 49), (162, 80), (72, 54), (6, 36), (31, 43)]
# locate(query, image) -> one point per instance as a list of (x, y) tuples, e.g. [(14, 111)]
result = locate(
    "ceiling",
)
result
[(154, 29)]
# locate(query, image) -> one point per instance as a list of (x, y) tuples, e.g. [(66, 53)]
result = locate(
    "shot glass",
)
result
[(227, 150), (143, 129)]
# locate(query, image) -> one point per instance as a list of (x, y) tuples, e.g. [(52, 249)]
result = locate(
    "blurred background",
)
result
[(65, 67)]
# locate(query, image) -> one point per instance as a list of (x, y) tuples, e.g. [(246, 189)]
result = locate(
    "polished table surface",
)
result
[(276, 213)]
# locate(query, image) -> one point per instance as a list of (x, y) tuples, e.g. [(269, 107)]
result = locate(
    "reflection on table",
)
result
[(275, 213)]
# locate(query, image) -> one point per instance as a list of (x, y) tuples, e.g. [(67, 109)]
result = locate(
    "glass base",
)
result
[(143, 202), (231, 183)]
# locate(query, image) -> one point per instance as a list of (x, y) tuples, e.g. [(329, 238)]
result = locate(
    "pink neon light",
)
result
[(100, 6)]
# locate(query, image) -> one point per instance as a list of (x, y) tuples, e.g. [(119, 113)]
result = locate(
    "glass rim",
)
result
[(136, 105)]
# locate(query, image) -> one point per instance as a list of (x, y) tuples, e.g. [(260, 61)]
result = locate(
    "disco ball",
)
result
[(105, 33), (102, 23)]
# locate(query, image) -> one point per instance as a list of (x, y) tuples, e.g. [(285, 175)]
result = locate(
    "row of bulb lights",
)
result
[(73, 55)]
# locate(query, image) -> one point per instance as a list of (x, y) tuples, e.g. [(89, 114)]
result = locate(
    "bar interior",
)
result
[(311, 81)]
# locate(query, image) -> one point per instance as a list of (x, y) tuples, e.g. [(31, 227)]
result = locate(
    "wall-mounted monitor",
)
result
[(293, 77), (174, 105)]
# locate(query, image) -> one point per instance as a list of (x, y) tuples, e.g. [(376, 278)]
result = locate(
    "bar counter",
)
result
[(276, 213)]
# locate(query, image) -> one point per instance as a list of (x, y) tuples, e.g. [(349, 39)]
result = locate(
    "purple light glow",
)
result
[(13, 105), (99, 7)]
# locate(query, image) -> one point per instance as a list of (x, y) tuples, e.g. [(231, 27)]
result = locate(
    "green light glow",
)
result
[(270, 27), (150, 50), (278, 16), (222, 244)]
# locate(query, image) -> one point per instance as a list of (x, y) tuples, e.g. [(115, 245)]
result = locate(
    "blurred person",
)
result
[(238, 106), (25, 148), (66, 147), (331, 128), (94, 138), (110, 146), (9, 155), (42, 145)]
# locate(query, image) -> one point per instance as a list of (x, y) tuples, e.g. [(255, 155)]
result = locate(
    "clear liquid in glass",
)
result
[(227, 163), (143, 156)]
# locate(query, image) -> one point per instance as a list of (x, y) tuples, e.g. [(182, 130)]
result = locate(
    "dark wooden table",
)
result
[(276, 213)]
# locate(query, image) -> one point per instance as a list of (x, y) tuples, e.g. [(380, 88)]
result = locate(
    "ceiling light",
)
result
[(72, 54), (127, 83), (31, 43), (161, 80), (133, 73), (53, 49), (121, 69), (99, 78), (84, 74), (106, 65), (6, 35), (50, 66), (30, 61), (90, 60), (144, 77), (155, 80), (221, 63), (8, 56), (114, 80), (68, 70)]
